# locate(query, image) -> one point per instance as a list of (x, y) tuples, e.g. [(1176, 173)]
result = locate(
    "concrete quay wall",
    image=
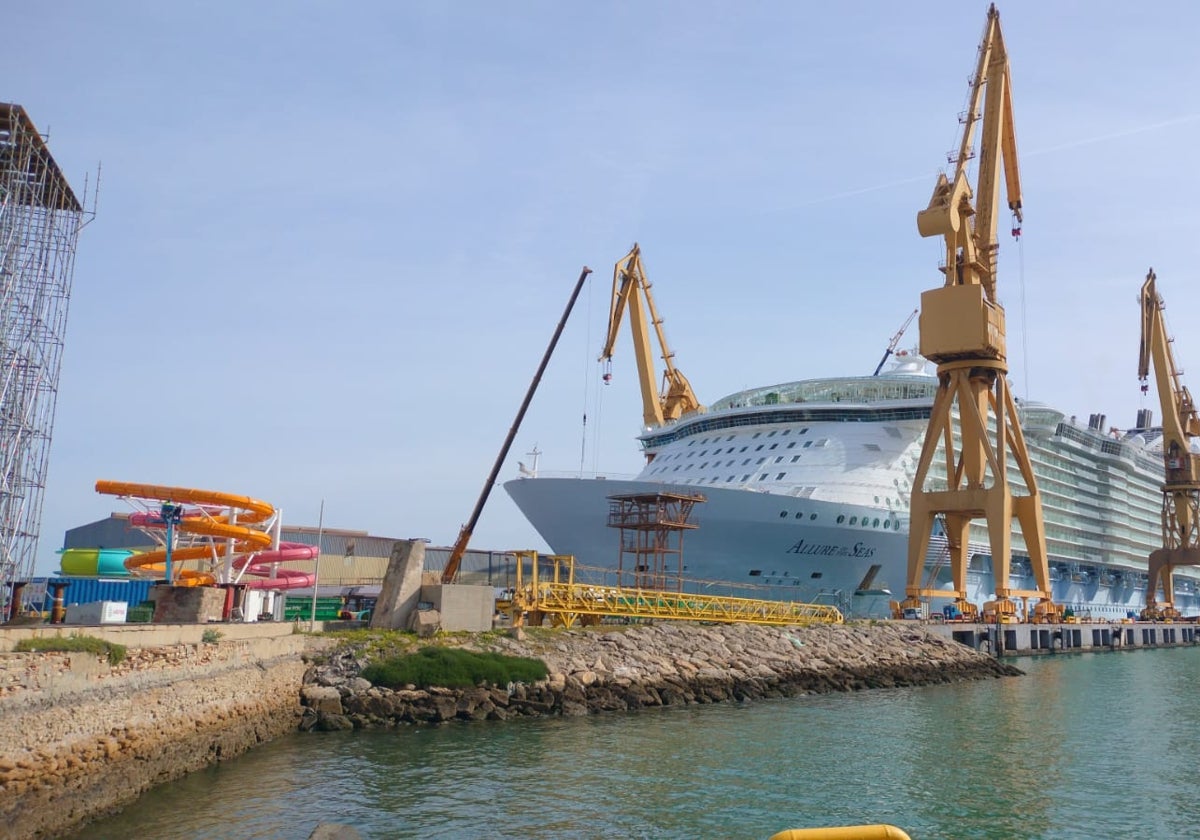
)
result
[(1032, 639), (80, 738)]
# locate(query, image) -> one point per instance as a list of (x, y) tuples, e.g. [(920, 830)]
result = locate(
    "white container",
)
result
[(98, 612)]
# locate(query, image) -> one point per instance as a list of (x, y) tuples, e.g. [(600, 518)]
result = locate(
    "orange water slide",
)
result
[(249, 511)]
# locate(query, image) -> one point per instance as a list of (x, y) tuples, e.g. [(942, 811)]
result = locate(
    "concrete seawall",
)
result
[(80, 738)]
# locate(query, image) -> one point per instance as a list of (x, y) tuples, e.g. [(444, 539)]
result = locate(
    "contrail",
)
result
[(1100, 138), (1072, 144)]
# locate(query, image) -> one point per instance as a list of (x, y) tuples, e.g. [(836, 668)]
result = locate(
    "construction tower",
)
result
[(40, 220)]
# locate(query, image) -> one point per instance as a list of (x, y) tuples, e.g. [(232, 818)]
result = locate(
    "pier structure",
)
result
[(652, 527), (40, 221)]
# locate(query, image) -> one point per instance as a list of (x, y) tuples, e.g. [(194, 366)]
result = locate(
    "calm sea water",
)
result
[(1093, 745)]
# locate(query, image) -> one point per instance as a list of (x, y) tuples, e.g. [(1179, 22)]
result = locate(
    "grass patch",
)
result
[(75, 644), (211, 637), (453, 668)]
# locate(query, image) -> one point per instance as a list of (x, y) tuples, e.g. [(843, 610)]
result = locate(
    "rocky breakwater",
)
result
[(600, 669), (80, 738)]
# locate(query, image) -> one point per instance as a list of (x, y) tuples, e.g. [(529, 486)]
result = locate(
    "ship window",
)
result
[(729, 463), (762, 477), (703, 453), (783, 514), (760, 460), (816, 575), (785, 432), (841, 518), (876, 500), (795, 458), (780, 476), (853, 520), (780, 458), (872, 447), (803, 431), (774, 445), (729, 479), (756, 573), (757, 435), (757, 448), (799, 515), (747, 461), (705, 464), (812, 516), (743, 449), (875, 523), (746, 477), (676, 468), (729, 438), (792, 445), (807, 444), (772, 434)]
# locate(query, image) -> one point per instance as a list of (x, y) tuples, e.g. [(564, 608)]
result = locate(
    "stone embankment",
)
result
[(600, 670), (80, 738)]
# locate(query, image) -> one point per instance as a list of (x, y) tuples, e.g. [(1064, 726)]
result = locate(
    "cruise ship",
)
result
[(807, 487)]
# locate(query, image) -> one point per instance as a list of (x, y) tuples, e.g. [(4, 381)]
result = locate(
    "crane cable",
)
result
[(587, 365), (1024, 319)]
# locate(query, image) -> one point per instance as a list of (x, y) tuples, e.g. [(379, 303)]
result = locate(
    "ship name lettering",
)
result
[(825, 550)]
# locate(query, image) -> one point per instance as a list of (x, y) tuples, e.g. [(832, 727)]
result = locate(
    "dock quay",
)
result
[(1035, 639)]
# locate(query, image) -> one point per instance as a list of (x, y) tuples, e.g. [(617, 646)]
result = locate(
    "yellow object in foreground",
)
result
[(844, 832)]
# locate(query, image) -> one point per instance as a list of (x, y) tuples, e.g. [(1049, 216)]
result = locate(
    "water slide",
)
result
[(210, 516), (95, 562)]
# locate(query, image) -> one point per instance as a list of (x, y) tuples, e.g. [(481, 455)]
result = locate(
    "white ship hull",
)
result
[(806, 493)]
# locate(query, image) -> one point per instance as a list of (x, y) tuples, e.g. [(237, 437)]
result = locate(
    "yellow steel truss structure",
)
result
[(567, 603)]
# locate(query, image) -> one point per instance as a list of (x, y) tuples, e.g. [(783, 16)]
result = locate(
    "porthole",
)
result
[(875, 523), (799, 515), (783, 514), (853, 520), (841, 518)]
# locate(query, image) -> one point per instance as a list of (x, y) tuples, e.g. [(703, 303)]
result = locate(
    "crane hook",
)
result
[(1016, 226)]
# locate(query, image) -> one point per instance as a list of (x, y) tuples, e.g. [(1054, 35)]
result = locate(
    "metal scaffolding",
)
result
[(40, 220), (652, 526)]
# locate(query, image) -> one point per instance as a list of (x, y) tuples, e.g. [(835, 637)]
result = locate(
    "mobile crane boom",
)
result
[(450, 571), (1180, 423), (631, 290), (891, 348)]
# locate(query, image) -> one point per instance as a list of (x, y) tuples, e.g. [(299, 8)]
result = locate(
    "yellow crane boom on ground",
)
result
[(962, 330), (631, 290), (1181, 486)]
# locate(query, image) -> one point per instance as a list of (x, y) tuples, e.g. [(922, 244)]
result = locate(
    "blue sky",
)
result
[(333, 239)]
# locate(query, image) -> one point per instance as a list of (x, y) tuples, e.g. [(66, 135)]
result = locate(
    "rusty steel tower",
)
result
[(652, 526), (40, 220)]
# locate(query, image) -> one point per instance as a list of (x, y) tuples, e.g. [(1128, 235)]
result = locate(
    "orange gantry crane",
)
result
[(974, 417), (1181, 486)]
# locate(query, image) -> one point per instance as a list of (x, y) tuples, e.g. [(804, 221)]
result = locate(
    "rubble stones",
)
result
[(601, 670)]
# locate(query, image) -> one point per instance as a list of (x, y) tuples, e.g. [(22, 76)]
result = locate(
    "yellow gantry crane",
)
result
[(962, 330), (631, 290), (1181, 488)]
